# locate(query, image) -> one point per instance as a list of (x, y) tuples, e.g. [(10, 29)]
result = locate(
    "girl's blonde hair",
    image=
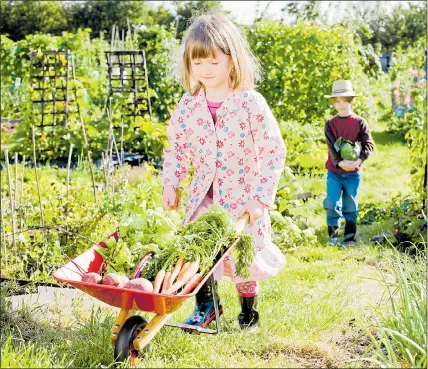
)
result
[(207, 32)]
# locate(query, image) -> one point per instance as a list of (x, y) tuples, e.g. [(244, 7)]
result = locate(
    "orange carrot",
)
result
[(166, 280), (183, 269), (189, 273), (193, 282), (176, 270), (158, 281)]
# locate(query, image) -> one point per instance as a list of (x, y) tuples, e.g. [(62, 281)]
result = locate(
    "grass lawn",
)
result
[(320, 291)]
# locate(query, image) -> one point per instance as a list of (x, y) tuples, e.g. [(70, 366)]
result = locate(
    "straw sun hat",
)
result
[(342, 88)]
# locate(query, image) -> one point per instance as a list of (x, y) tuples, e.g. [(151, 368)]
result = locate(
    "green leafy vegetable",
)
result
[(347, 149), (205, 240)]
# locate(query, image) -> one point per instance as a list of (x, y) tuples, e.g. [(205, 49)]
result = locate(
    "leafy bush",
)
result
[(306, 147), (287, 234), (407, 220), (409, 93), (300, 64)]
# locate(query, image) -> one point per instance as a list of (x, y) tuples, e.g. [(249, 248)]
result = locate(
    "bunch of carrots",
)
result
[(181, 280)]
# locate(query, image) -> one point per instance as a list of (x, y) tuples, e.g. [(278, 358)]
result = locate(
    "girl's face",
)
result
[(213, 72)]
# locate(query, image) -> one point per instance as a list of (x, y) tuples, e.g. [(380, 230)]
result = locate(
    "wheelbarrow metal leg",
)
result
[(150, 330), (123, 315), (216, 300)]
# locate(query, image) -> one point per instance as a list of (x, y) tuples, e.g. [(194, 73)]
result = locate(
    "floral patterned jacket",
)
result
[(243, 155)]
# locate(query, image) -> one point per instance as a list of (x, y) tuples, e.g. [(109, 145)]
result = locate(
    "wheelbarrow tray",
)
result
[(128, 299)]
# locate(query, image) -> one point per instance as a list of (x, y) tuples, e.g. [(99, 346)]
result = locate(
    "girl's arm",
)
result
[(270, 149), (176, 159)]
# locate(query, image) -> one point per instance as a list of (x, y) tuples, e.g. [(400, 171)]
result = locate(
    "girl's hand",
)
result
[(170, 199), (255, 208)]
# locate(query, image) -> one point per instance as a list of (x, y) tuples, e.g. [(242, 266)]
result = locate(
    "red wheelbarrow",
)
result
[(131, 333)]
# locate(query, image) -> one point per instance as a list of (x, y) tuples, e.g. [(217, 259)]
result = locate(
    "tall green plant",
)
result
[(402, 342), (409, 91), (417, 140), (300, 64)]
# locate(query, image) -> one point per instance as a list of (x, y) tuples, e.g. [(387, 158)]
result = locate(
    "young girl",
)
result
[(226, 129)]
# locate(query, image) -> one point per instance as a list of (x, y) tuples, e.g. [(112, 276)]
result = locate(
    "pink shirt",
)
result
[(213, 106)]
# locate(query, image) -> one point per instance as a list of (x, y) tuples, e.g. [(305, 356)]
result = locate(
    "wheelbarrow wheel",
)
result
[(124, 347)]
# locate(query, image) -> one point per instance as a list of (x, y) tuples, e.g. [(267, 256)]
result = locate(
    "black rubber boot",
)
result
[(204, 312), (333, 236), (249, 317), (349, 234)]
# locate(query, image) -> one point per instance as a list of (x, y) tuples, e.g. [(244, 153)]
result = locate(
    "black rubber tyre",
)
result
[(124, 347)]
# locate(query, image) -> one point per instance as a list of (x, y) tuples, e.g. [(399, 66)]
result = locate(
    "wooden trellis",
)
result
[(51, 90), (127, 73)]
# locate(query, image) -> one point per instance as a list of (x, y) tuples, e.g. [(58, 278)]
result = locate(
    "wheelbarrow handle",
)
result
[(242, 222)]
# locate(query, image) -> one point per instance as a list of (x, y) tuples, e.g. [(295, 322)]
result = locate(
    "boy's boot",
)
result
[(333, 236), (349, 234), (249, 317), (204, 312)]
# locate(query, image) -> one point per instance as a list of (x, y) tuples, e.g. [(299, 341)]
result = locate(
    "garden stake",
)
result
[(147, 85), (37, 176), (130, 33), (86, 141), (103, 158), (15, 189), (117, 151), (117, 41), (108, 110), (68, 175), (3, 232), (110, 114), (21, 199), (112, 37), (113, 143), (110, 133), (68, 188), (12, 209), (121, 142)]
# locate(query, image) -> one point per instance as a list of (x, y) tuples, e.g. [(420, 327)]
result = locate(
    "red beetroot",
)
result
[(116, 280), (92, 278), (141, 284)]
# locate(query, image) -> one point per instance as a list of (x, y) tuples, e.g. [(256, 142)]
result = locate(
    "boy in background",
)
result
[(344, 176)]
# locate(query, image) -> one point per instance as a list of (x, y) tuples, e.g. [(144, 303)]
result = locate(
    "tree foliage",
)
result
[(102, 15), (304, 10), (22, 18), (187, 9), (403, 26)]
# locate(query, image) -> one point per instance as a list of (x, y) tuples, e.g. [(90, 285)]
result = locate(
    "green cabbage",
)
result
[(347, 149)]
